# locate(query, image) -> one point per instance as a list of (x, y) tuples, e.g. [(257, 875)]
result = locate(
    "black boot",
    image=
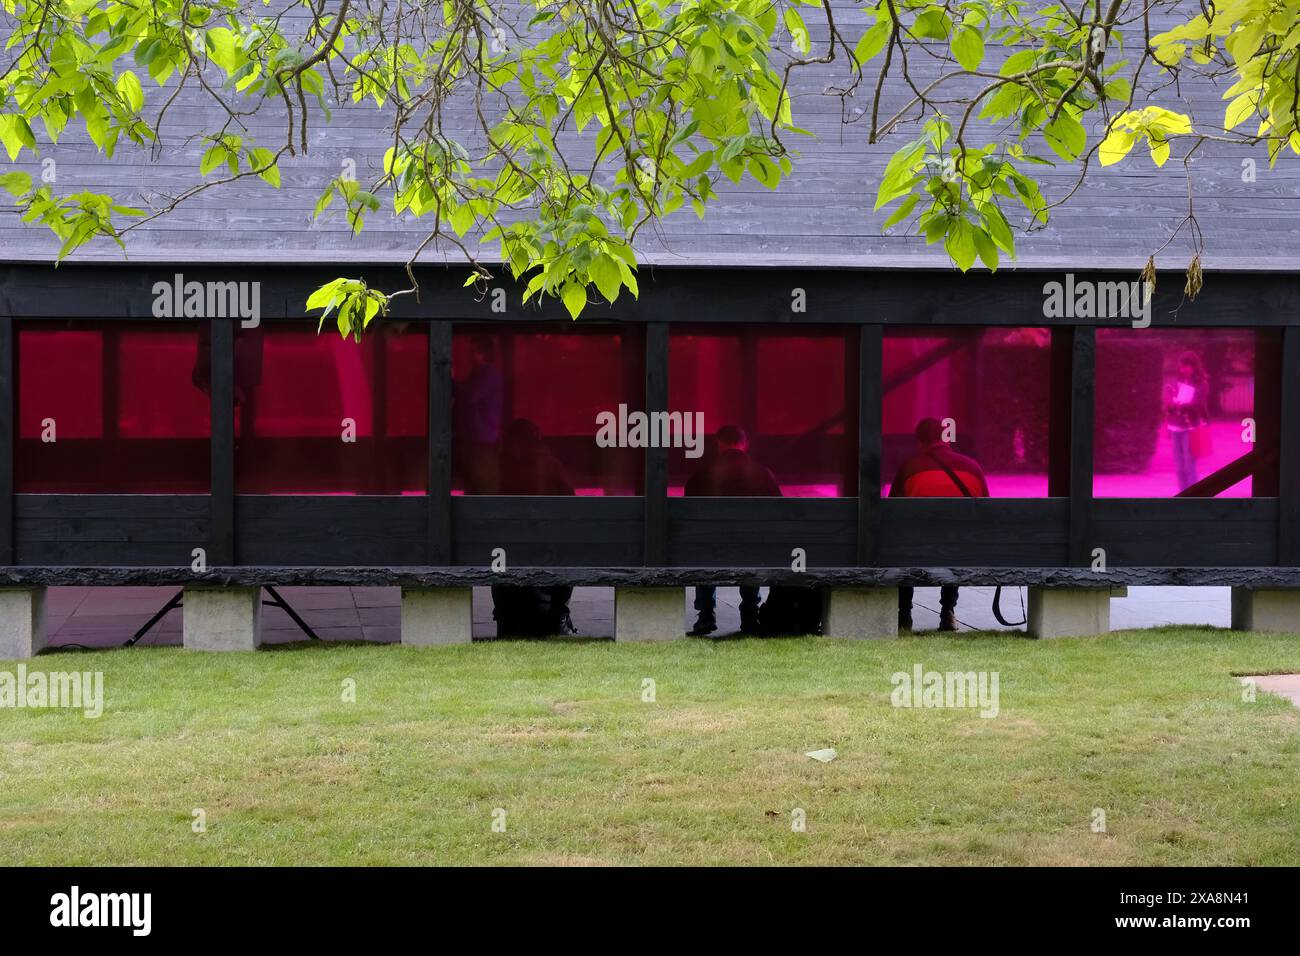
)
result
[(705, 624), (947, 619), (904, 620)]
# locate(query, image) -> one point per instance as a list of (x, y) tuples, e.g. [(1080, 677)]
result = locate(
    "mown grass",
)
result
[(1149, 726)]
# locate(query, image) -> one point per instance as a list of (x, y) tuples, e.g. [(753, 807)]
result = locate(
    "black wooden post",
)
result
[(1060, 404), (8, 436), (656, 459), (1083, 390), (439, 485), (1288, 511), (870, 426), (221, 544)]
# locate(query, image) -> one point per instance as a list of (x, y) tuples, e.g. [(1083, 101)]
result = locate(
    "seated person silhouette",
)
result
[(935, 471), (528, 468), (730, 472)]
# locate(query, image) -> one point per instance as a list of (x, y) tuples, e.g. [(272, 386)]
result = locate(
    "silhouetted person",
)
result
[(731, 472), (1187, 411), (527, 467), (476, 418), (935, 471)]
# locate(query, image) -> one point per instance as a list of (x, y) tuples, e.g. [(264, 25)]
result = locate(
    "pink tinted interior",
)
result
[(790, 392), (995, 385), (121, 401), (525, 404), (1157, 432), (298, 395)]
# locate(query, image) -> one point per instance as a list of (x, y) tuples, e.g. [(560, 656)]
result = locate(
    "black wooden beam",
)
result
[(221, 535), (656, 459), (439, 487), (1083, 390), (1060, 404), (939, 297), (1288, 531), (870, 423), (482, 575), (8, 438)]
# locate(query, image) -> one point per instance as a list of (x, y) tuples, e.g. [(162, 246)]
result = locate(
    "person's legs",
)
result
[(948, 607), (706, 621), (1184, 463), (748, 609), (561, 622), (905, 608)]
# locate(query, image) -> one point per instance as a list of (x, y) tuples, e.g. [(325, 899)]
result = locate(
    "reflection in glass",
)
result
[(991, 390), (1177, 409), (525, 404), (320, 414), (792, 394), (110, 407)]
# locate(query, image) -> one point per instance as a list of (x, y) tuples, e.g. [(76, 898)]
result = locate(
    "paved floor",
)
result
[(107, 617), (1284, 685)]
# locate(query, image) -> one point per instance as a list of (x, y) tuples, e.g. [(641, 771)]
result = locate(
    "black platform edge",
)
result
[(1261, 577)]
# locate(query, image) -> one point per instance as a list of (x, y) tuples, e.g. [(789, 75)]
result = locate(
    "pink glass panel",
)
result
[(791, 392), (320, 414), (525, 406), (995, 385), (121, 401), (1170, 407)]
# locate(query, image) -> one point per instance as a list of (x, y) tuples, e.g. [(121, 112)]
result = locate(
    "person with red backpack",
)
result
[(935, 471)]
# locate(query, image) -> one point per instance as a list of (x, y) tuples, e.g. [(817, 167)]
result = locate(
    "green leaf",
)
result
[(212, 158), (16, 183), (1241, 108), (462, 219), (898, 175), (1116, 146), (960, 244), (1066, 136), (1159, 148), (128, 87), (968, 48), (574, 297), (933, 23), (798, 30), (903, 211), (260, 157), (604, 272), (872, 42), (15, 133), (764, 170), (988, 252)]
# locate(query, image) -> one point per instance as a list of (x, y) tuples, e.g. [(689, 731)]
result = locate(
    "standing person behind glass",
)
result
[(731, 472), (476, 418), (1186, 411)]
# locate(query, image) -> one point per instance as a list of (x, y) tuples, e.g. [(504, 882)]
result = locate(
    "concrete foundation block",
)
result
[(1068, 612), (222, 618), (648, 614), (1273, 610), (432, 616), (860, 612), (22, 622)]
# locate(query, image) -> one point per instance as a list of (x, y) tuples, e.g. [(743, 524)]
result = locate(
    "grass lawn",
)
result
[(1149, 726)]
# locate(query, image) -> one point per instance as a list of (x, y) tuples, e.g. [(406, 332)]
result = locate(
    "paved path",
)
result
[(107, 617), (1284, 685)]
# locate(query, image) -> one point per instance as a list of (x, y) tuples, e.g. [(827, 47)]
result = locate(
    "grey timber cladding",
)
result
[(821, 216)]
